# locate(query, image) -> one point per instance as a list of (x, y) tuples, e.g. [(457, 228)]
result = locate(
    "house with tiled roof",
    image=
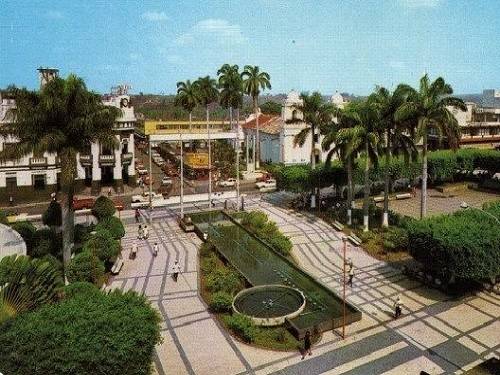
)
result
[(277, 134)]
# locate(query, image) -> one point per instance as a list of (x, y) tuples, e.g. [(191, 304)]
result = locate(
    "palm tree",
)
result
[(208, 94), (429, 108), (339, 135), (26, 284), (397, 138), (63, 118), (188, 98), (253, 81)]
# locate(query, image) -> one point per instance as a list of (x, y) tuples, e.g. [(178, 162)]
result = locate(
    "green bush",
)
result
[(27, 230), (242, 326), (80, 289), (221, 302), (46, 241), (3, 217), (53, 215), (82, 232), (91, 332), (113, 225), (208, 263), (395, 239), (464, 245), (103, 245), (85, 267), (223, 280), (103, 208)]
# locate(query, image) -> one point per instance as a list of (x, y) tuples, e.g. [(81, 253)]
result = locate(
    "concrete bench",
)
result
[(403, 196), (378, 199), (337, 225), (115, 270), (354, 239)]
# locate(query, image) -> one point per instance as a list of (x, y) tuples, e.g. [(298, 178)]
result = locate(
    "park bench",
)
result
[(337, 225), (354, 239), (403, 196), (378, 199), (117, 266)]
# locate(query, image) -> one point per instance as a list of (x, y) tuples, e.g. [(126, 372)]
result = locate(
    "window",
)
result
[(39, 181), (11, 184)]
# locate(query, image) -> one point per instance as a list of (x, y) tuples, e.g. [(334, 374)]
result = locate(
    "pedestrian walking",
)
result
[(53, 196), (11, 200), (146, 232), (140, 233), (137, 215), (109, 192), (155, 249), (351, 275), (176, 269), (307, 344), (133, 251), (398, 307)]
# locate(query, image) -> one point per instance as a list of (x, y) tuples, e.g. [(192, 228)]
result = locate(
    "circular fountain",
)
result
[(269, 305)]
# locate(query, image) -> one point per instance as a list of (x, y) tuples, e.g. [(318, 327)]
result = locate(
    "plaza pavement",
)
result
[(436, 334)]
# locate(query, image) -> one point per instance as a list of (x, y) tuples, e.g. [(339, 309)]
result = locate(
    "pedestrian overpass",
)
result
[(174, 131)]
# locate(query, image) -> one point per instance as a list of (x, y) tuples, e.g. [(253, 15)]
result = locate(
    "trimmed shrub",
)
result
[(103, 245), (103, 208), (223, 280), (242, 326), (80, 289), (27, 230), (85, 267), (82, 232), (3, 217), (221, 302), (463, 246), (395, 239), (90, 332), (208, 263), (113, 225), (53, 215), (46, 241)]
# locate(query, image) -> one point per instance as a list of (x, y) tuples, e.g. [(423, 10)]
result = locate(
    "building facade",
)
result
[(277, 134), (480, 124), (39, 174)]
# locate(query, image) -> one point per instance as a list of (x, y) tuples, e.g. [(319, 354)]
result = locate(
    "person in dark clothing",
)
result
[(307, 344), (137, 215)]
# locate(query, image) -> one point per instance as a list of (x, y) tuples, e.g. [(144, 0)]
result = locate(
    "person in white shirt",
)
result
[(133, 251), (146, 232), (176, 269), (155, 249)]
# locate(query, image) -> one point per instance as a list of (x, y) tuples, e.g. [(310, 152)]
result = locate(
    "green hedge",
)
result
[(113, 225), (242, 326), (85, 267), (103, 208), (103, 245), (223, 280), (89, 332), (464, 245), (221, 302)]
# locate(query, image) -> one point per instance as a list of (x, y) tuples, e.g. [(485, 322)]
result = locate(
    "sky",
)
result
[(306, 45)]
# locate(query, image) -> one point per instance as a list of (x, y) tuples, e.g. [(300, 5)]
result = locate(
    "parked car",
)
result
[(83, 203), (145, 179), (142, 171), (144, 198), (266, 186), (230, 182), (118, 204), (265, 176), (139, 165), (166, 181)]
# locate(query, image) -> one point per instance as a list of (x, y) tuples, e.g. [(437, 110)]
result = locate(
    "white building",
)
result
[(39, 174), (277, 134)]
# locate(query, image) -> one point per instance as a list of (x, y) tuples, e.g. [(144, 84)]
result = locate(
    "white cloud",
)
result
[(219, 30), (420, 3), (154, 16), (54, 15)]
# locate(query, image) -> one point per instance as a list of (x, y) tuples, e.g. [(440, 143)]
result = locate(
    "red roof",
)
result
[(263, 120)]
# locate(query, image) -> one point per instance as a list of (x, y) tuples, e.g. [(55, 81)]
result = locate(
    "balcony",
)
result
[(127, 157), (38, 162), (86, 160), (106, 160)]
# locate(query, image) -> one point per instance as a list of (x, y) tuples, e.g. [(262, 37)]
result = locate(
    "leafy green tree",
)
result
[(113, 225), (396, 134), (3, 217), (88, 332), (27, 230), (85, 266), (187, 97), (102, 244), (253, 82), (53, 215), (63, 118), (26, 284), (271, 108), (103, 208), (429, 108)]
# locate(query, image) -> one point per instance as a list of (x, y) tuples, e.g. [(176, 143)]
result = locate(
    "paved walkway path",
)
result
[(435, 334)]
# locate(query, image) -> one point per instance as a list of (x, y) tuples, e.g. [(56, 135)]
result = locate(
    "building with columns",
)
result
[(39, 174), (277, 134)]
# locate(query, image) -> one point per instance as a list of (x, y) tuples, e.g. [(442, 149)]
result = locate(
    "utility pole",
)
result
[(209, 163), (182, 175), (150, 184), (238, 159), (344, 240)]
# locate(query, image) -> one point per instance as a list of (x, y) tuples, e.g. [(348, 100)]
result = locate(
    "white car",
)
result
[(166, 181), (142, 171), (230, 182), (268, 183), (144, 198)]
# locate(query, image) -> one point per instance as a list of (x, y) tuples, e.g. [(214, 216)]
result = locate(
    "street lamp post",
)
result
[(182, 176), (465, 206), (238, 159), (344, 240), (150, 183), (209, 162)]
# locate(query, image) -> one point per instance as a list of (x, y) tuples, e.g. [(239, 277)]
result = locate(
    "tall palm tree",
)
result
[(63, 118), (188, 98), (208, 94), (429, 108), (339, 135), (397, 134), (253, 81)]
